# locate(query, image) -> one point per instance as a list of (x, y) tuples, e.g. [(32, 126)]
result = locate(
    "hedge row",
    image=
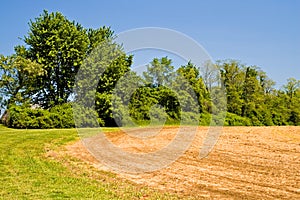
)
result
[(61, 116), (27, 117)]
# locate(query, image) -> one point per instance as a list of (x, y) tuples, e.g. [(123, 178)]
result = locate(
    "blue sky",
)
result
[(263, 33)]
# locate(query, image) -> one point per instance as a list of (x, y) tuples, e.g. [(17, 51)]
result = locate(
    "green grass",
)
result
[(26, 173)]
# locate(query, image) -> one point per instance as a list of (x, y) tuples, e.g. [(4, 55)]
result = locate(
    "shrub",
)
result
[(205, 119), (87, 117), (24, 116), (236, 120), (189, 118)]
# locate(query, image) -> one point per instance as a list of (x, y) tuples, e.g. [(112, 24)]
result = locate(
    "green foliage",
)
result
[(192, 77), (292, 89), (233, 78), (62, 116), (236, 120), (159, 91), (60, 52), (96, 36), (98, 77), (141, 102), (159, 72), (106, 85), (86, 117), (59, 45), (25, 116), (189, 118), (205, 119), (250, 95), (17, 78)]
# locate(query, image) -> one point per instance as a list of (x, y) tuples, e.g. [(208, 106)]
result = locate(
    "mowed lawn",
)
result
[(26, 173)]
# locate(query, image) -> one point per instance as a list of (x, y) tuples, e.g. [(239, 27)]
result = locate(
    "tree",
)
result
[(279, 108), (141, 102), (60, 46), (96, 36), (98, 77), (18, 77), (292, 87), (123, 94), (159, 72), (106, 85), (266, 83), (252, 97), (292, 90), (192, 74), (233, 78), (210, 75)]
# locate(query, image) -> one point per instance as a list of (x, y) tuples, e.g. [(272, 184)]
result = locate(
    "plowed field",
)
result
[(246, 163)]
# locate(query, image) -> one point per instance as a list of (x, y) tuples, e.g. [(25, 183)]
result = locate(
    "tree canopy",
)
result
[(37, 84)]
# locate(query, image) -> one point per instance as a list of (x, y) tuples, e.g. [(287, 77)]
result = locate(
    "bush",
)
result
[(62, 116), (87, 117), (205, 119), (189, 118), (24, 116), (236, 120)]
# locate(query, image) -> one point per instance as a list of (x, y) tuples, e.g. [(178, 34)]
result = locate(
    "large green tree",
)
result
[(107, 82), (252, 96), (98, 76), (233, 78), (192, 75), (60, 46)]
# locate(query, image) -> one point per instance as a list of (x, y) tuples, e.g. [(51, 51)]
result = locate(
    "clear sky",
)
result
[(265, 33)]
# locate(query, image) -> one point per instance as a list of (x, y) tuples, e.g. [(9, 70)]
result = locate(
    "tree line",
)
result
[(37, 82)]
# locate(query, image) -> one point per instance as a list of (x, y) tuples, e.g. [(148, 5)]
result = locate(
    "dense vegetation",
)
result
[(36, 85)]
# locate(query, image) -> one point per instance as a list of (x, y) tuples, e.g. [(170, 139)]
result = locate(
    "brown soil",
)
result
[(246, 163)]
